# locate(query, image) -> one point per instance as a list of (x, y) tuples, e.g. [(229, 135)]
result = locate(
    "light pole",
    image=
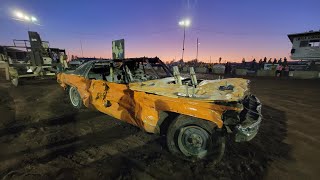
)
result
[(184, 23)]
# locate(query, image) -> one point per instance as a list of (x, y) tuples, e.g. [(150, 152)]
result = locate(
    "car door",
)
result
[(114, 99)]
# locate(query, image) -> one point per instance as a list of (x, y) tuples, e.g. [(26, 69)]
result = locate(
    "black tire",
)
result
[(75, 98), (195, 139)]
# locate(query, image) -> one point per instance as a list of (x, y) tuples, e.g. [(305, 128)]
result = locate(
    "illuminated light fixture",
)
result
[(33, 19), (185, 22), (27, 18), (19, 14)]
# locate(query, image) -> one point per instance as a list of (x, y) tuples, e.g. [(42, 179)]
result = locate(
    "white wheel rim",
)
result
[(74, 96)]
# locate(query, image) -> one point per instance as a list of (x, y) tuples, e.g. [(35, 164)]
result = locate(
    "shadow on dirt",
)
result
[(15, 128), (62, 137), (7, 110), (247, 160), (151, 160), (36, 81), (250, 160)]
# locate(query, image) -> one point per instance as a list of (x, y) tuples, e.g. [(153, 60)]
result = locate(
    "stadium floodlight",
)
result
[(185, 23), (33, 19), (27, 18), (19, 14)]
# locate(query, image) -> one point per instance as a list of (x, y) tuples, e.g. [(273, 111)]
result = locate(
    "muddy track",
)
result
[(42, 137)]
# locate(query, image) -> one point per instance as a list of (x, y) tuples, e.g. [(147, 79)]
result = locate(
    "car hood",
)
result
[(233, 89)]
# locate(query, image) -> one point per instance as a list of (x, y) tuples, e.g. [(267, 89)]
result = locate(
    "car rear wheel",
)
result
[(195, 139), (75, 98)]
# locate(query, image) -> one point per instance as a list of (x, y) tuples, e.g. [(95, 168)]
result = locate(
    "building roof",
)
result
[(292, 36)]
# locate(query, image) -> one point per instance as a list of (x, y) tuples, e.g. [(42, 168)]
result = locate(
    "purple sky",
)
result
[(231, 29)]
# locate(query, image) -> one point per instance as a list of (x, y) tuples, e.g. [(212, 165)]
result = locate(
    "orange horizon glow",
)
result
[(167, 57)]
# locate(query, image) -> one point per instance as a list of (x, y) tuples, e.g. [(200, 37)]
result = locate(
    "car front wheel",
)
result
[(194, 139), (75, 98)]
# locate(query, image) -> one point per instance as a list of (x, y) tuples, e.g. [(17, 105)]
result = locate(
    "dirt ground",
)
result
[(43, 137)]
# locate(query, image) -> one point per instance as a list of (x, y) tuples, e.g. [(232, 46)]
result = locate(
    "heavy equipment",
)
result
[(31, 58)]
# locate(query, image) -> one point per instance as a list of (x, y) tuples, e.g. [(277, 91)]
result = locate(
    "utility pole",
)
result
[(81, 48), (197, 48)]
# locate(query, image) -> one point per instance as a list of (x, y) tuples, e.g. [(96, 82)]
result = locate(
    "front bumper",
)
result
[(250, 119)]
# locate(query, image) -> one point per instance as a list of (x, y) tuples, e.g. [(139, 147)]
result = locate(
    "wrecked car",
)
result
[(195, 115)]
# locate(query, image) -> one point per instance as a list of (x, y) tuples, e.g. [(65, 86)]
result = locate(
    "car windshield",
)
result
[(82, 69), (139, 71)]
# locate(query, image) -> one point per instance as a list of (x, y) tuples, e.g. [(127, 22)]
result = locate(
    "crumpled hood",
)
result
[(233, 89)]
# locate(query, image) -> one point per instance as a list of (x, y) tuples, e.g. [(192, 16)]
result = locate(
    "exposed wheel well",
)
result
[(167, 117)]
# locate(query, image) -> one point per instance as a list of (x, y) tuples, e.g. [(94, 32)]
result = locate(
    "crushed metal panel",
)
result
[(207, 90)]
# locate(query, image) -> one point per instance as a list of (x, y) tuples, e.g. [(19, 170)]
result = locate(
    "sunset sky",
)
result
[(231, 29)]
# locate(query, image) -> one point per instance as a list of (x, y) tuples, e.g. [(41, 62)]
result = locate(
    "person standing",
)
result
[(260, 64), (275, 61), (286, 70), (279, 70), (285, 61)]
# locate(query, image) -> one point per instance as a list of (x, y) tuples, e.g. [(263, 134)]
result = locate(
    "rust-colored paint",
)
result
[(139, 108)]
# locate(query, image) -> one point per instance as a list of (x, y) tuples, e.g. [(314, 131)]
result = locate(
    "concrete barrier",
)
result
[(200, 69), (266, 72), (305, 74), (218, 71), (241, 72)]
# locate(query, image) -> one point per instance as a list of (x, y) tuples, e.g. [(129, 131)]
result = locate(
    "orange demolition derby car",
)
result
[(195, 115)]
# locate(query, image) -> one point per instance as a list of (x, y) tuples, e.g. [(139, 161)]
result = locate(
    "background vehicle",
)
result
[(32, 58), (194, 114)]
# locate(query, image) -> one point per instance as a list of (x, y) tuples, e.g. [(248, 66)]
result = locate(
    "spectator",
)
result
[(286, 70), (270, 61), (227, 69), (285, 61), (274, 61), (279, 70), (210, 68), (243, 64), (265, 59), (254, 65), (260, 64), (280, 61)]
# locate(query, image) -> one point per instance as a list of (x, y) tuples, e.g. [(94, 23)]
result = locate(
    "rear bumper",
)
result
[(250, 119)]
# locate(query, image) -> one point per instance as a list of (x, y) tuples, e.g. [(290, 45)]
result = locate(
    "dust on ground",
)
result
[(43, 137)]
